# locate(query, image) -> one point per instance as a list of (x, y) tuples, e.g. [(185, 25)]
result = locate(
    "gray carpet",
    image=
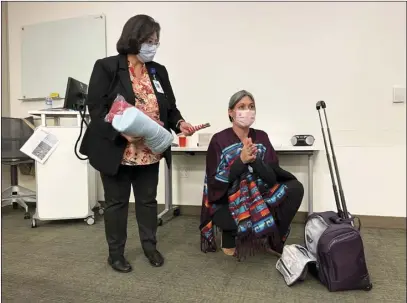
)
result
[(66, 262)]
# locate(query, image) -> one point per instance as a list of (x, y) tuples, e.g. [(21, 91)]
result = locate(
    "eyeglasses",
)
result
[(152, 42)]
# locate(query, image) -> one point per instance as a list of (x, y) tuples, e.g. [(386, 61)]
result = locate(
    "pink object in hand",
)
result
[(119, 106), (199, 127)]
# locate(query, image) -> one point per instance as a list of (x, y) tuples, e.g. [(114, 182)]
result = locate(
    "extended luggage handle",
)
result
[(343, 214), (321, 104)]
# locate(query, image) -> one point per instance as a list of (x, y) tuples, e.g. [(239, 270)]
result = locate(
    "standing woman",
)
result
[(125, 161)]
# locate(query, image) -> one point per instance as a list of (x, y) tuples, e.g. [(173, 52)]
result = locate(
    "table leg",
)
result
[(43, 120), (168, 194), (310, 184), (57, 121)]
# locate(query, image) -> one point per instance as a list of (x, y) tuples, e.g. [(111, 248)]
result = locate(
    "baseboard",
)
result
[(367, 221), (300, 217)]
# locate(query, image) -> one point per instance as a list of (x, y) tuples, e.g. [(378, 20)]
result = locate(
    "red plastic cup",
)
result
[(182, 141)]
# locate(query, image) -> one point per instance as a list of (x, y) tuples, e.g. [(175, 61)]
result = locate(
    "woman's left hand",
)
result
[(252, 148), (186, 128)]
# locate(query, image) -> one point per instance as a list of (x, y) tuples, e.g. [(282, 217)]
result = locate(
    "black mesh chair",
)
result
[(14, 133)]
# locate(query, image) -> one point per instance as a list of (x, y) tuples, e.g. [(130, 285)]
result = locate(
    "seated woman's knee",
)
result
[(295, 187)]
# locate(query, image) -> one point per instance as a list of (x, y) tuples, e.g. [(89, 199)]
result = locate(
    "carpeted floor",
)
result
[(66, 262)]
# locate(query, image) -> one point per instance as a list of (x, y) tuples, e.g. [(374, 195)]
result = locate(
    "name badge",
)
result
[(158, 86)]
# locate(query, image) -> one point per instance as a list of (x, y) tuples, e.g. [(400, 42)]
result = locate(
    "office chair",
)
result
[(14, 133)]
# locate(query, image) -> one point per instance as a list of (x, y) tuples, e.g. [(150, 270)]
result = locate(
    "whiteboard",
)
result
[(53, 51)]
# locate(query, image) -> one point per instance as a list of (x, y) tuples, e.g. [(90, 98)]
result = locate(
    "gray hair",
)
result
[(237, 97)]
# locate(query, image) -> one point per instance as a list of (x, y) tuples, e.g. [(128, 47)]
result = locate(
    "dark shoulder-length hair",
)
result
[(135, 32)]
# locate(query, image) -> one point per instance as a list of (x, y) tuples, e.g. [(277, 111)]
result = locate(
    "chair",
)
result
[(14, 133)]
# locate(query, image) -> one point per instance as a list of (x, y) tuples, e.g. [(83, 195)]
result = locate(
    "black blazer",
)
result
[(101, 143)]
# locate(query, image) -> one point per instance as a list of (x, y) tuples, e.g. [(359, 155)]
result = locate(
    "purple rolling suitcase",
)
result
[(333, 238)]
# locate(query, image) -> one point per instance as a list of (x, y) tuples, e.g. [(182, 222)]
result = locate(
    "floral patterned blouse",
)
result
[(137, 153)]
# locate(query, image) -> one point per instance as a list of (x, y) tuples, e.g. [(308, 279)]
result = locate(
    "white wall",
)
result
[(289, 55), (5, 87)]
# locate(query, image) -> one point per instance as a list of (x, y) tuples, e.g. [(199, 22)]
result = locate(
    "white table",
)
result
[(57, 114), (308, 151)]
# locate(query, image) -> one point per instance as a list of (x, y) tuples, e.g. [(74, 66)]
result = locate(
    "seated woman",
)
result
[(246, 193)]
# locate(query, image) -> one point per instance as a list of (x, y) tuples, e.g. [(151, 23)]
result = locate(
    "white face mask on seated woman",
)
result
[(245, 118), (242, 109)]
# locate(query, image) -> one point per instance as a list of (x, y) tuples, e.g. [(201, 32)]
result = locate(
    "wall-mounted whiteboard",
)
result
[(53, 51)]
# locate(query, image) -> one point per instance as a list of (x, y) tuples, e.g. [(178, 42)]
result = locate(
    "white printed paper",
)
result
[(40, 145)]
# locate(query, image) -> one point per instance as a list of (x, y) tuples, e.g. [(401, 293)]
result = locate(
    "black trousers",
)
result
[(144, 179), (284, 213)]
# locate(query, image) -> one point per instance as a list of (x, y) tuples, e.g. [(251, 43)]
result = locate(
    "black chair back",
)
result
[(14, 133)]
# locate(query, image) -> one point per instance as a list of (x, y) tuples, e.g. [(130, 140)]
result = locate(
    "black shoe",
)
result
[(120, 265), (155, 258)]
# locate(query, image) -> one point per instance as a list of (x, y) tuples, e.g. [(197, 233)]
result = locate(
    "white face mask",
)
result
[(147, 52), (245, 118)]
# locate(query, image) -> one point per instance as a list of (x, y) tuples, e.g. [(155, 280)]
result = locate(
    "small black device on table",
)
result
[(302, 140)]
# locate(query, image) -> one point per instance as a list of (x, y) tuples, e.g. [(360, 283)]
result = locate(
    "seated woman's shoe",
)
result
[(273, 252), (120, 264), (269, 249), (229, 251)]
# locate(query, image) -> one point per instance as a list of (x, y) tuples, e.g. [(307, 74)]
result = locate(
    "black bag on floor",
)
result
[(332, 237)]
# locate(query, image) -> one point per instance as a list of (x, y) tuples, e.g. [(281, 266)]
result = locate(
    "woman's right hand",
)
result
[(248, 153)]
